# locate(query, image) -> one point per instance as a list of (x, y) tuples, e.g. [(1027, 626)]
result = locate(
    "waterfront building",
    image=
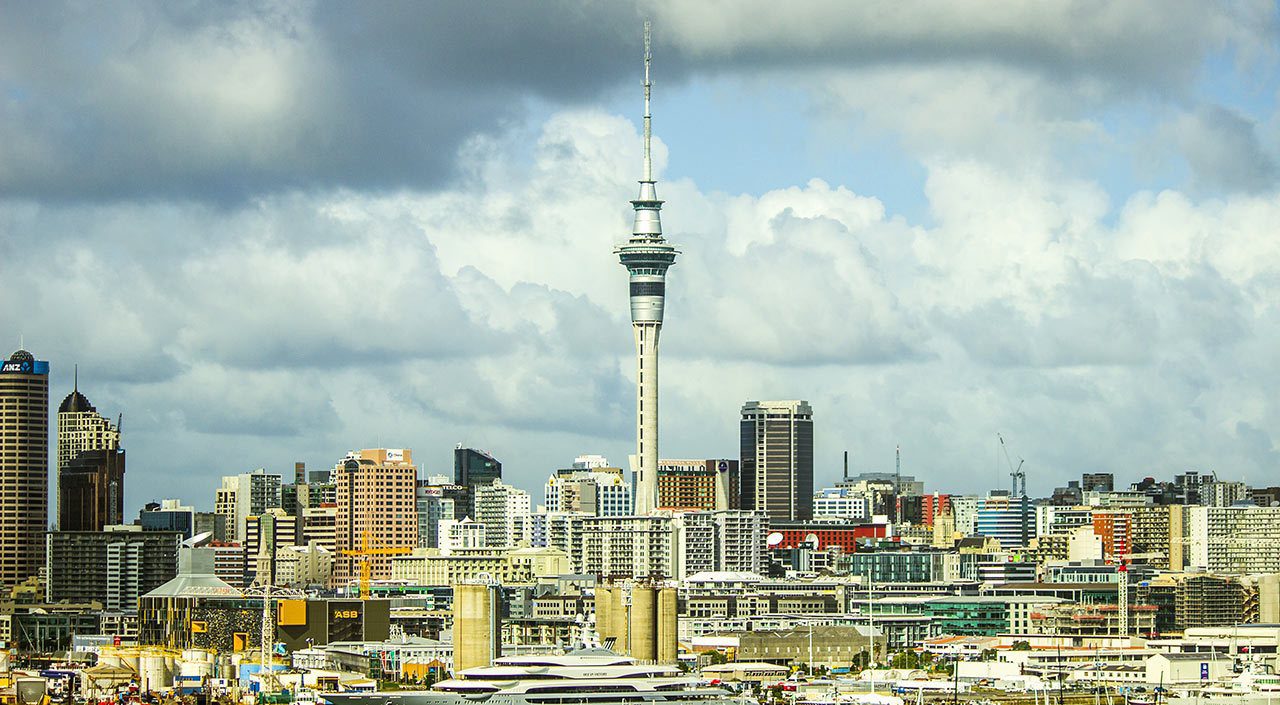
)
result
[(463, 565), (618, 548)]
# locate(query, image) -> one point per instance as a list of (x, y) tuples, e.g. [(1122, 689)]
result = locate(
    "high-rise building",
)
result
[(376, 507), (965, 509), (841, 503), (1244, 539), (169, 515), (732, 541), (471, 469), (319, 526), (599, 491), (618, 548), (504, 510), (706, 485), (1225, 494), (432, 505), (115, 566), (24, 466), (1098, 482), (1115, 528), (224, 505), (90, 467), (1190, 484), (777, 459), (647, 256), (1010, 520), (919, 510), (265, 535), (245, 495)]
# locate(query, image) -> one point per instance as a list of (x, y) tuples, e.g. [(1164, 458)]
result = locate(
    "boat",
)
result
[(1255, 686), (583, 677)]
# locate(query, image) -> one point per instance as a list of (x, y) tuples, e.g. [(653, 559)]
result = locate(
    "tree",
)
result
[(1021, 646), (988, 655), (861, 661), (905, 659), (716, 658)]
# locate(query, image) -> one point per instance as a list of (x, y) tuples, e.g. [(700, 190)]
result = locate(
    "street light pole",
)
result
[(811, 648), (955, 672)]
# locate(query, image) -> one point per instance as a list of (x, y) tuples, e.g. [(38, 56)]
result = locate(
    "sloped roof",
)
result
[(195, 585)]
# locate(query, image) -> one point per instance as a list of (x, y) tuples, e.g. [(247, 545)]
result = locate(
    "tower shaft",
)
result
[(646, 335)]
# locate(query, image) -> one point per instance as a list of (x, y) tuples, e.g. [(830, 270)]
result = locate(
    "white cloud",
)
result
[(299, 326)]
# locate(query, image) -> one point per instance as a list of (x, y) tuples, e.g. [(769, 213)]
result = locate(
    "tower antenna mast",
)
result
[(648, 114)]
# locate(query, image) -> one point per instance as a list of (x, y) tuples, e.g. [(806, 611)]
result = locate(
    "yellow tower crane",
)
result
[(366, 552)]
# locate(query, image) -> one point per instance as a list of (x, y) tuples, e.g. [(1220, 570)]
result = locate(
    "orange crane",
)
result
[(365, 553)]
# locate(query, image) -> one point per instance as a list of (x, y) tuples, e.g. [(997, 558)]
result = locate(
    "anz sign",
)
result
[(26, 367)]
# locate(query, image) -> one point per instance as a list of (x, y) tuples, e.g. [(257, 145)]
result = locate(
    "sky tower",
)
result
[(647, 256)]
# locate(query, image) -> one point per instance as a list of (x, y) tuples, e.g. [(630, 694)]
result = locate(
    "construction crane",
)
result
[(1017, 474), (1122, 590), (365, 553), (897, 482), (267, 639)]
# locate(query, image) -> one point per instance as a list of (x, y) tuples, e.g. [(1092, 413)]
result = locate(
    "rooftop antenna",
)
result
[(897, 469), (648, 116), (75, 383)]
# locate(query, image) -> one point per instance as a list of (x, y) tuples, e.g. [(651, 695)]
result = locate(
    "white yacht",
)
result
[(1255, 686), (583, 677)]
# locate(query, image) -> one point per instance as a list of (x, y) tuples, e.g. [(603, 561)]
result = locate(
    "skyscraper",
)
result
[(245, 495), (471, 469), (776, 465), (90, 467), (24, 466), (647, 255), (376, 489)]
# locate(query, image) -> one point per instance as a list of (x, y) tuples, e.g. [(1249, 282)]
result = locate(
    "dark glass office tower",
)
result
[(471, 469), (776, 463)]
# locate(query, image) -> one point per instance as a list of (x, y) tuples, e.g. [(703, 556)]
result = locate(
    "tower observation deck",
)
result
[(647, 256)]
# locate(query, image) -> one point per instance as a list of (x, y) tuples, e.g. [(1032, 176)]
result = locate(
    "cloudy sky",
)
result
[(276, 232)]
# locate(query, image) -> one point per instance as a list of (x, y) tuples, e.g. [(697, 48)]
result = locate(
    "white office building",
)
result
[(504, 510), (840, 503), (1233, 539), (720, 541), (599, 491)]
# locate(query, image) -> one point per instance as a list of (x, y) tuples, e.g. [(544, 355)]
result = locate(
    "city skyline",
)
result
[(270, 268)]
